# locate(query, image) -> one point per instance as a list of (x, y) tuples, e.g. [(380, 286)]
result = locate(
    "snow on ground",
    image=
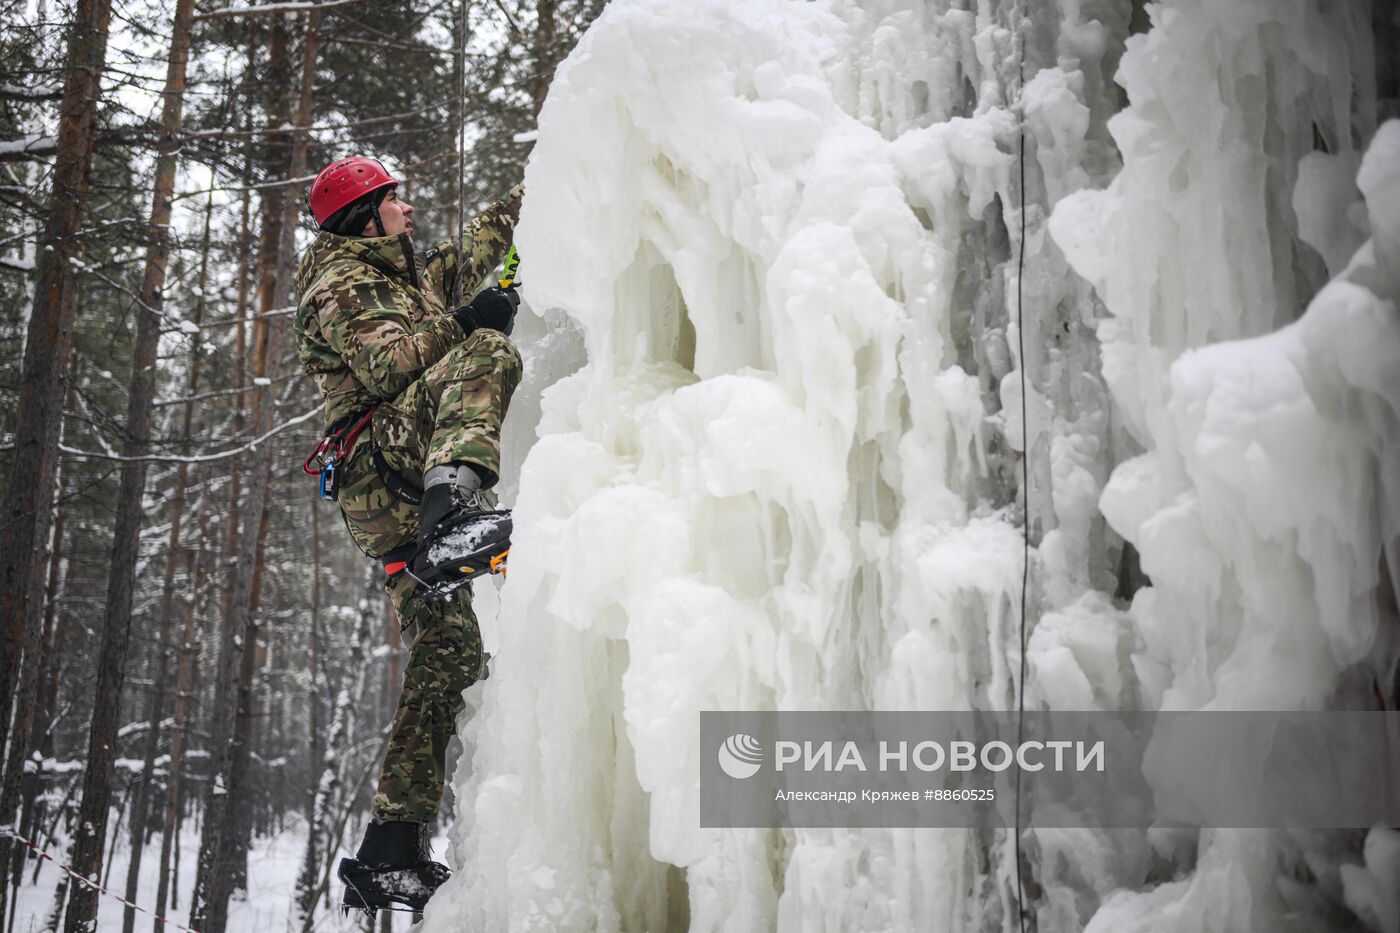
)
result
[(268, 906), (787, 473)]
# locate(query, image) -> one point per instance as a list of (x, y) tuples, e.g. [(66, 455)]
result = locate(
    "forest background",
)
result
[(186, 636)]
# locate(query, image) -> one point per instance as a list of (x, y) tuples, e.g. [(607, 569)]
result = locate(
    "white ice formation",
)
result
[(780, 244)]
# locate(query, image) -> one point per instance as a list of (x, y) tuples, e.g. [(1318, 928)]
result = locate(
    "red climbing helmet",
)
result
[(344, 181)]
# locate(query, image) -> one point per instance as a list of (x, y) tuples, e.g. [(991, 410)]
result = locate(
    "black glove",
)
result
[(493, 308)]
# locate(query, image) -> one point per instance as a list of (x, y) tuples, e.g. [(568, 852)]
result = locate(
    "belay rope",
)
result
[(461, 150), (512, 261), (1025, 467)]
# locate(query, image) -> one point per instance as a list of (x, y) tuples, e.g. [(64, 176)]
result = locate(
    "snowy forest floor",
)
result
[(268, 906)]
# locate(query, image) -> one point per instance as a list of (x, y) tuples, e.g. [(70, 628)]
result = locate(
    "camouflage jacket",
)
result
[(371, 316)]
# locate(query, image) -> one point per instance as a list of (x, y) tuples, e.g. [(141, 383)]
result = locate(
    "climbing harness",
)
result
[(332, 449), (394, 481)]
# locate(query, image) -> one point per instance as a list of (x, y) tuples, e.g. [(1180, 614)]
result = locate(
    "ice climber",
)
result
[(415, 392)]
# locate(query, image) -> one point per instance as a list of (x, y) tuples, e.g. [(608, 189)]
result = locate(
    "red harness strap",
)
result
[(348, 441), (337, 444)]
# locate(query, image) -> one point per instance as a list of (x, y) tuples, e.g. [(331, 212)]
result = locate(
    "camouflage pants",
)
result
[(445, 658), (451, 413)]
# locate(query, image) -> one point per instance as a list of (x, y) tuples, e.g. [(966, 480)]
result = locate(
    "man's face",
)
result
[(396, 214)]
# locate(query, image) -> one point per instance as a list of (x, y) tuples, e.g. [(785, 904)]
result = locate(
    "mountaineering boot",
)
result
[(392, 866), (460, 535)]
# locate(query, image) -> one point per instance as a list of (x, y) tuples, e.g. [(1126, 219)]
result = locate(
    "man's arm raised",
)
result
[(484, 244)]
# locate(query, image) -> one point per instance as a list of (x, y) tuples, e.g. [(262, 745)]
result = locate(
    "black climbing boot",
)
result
[(392, 867), (462, 535)]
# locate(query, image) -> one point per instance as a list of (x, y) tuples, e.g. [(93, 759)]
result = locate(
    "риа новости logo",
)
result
[(740, 756)]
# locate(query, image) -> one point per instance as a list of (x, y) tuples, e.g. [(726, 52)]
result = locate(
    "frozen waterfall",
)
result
[(770, 447)]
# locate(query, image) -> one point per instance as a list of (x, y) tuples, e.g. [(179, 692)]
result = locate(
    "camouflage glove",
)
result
[(494, 308)]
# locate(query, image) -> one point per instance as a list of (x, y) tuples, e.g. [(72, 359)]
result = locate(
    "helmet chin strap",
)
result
[(378, 222)]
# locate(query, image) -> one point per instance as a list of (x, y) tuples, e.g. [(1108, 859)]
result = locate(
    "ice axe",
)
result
[(508, 270)]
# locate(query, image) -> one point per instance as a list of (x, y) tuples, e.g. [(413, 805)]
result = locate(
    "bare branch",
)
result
[(261, 186), (287, 130)]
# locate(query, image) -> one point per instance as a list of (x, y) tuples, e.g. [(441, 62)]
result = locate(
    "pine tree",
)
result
[(39, 419)]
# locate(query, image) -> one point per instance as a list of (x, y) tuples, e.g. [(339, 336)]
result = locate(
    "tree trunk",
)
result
[(237, 837), (184, 693), (210, 905), (51, 833), (56, 912), (313, 700), (112, 843), (54, 626), (240, 339), (248, 735), (233, 854), (116, 625), (270, 223), (306, 881), (545, 42), (337, 759), (26, 507), (36, 696), (140, 813)]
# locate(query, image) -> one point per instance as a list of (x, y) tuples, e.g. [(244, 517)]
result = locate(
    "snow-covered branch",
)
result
[(272, 8), (34, 147), (37, 92), (232, 322), (28, 145), (255, 386), (203, 458)]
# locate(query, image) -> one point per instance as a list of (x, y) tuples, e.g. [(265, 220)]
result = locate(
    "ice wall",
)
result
[(1268, 482), (787, 237)]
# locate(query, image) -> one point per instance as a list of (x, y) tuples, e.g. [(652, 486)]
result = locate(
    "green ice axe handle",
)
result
[(508, 270)]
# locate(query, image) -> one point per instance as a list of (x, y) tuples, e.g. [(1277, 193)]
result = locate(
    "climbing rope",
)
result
[(461, 151), (1025, 467), (73, 873)]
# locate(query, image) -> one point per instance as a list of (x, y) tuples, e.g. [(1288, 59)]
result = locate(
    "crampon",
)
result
[(463, 548), (372, 888)]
